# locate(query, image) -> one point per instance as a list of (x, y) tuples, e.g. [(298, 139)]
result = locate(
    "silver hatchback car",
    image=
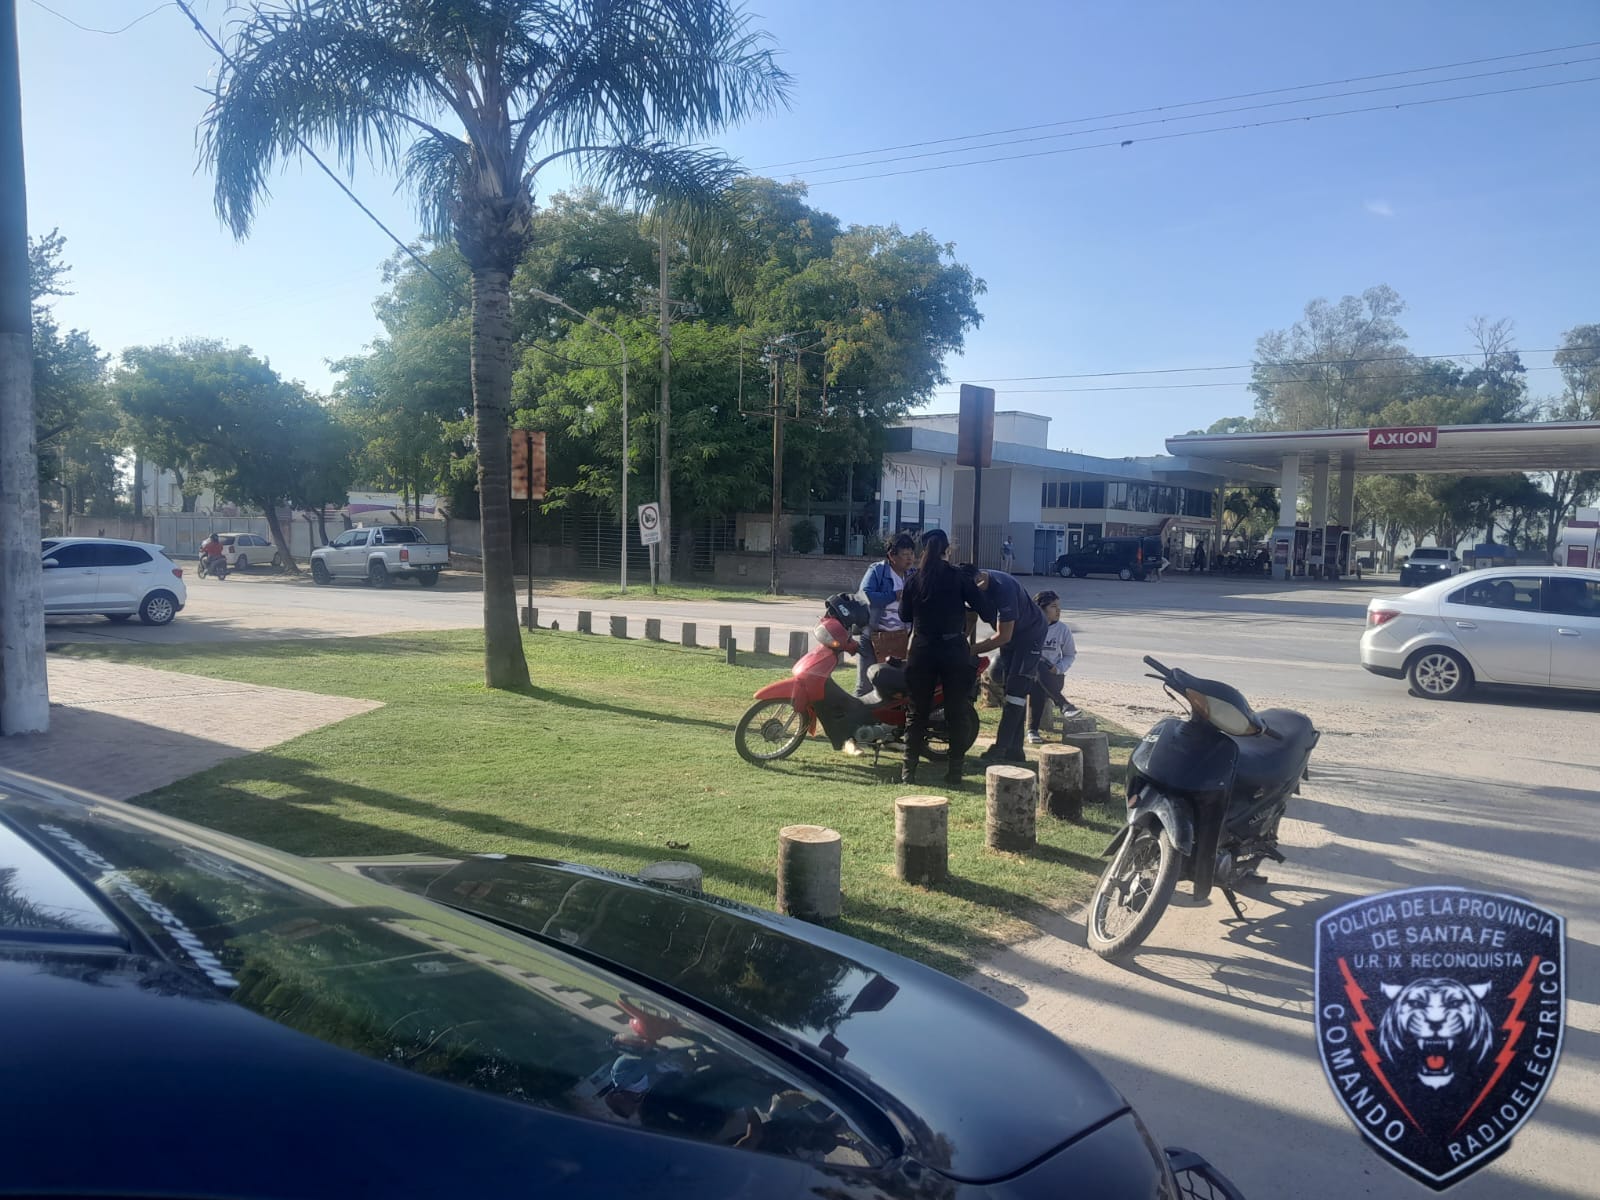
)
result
[(1530, 626), (116, 578)]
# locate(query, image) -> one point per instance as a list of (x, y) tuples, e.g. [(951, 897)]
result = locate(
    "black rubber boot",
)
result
[(1008, 739), (952, 770), (908, 770)]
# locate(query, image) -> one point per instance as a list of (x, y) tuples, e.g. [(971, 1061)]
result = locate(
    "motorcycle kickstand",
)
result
[(1233, 902)]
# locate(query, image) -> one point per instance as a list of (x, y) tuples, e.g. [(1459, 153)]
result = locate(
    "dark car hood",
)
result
[(977, 1090), (974, 1090)]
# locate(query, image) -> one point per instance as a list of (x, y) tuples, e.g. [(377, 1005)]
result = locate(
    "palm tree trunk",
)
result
[(504, 665)]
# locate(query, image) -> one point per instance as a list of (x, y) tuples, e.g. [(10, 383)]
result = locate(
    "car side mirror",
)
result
[(50, 562)]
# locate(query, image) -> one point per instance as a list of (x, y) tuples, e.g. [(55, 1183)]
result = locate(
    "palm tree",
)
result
[(470, 100)]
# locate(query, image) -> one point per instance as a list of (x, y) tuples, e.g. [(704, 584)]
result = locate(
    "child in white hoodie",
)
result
[(1054, 662)]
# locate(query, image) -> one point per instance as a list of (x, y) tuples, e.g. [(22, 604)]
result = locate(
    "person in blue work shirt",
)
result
[(1019, 636), (882, 585)]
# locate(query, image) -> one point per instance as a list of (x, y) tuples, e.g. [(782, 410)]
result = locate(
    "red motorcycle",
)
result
[(787, 712)]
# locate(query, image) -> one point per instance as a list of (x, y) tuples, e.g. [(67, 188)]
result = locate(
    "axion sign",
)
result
[(1409, 437)]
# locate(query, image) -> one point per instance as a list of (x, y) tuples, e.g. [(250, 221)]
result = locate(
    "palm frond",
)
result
[(433, 170), (339, 74), (672, 69)]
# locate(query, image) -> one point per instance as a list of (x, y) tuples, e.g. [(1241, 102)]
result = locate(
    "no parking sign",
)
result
[(649, 524)]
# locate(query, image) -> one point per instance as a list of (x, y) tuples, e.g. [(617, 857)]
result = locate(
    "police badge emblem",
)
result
[(1439, 1015)]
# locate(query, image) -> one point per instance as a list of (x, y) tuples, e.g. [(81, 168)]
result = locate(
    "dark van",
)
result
[(1124, 557)]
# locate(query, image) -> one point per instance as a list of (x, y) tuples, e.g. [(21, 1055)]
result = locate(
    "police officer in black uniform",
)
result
[(1020, 626), (935, 603)]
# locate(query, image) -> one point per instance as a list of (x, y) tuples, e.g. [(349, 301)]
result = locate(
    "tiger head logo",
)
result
[(1432, 1022)]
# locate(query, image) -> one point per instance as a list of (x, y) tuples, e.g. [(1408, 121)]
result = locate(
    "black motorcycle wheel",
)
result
[(768, 731), (1133, 892), (937, 747)]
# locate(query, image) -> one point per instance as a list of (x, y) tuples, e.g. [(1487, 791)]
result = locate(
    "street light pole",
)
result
[(622, 520)]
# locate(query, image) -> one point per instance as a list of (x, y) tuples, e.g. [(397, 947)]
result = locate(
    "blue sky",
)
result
[(1166, 253)]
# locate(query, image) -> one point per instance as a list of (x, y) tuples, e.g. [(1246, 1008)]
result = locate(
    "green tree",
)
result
[(222, 412), (606, 87), (1333, 367), (76, 426), (1579, 362)]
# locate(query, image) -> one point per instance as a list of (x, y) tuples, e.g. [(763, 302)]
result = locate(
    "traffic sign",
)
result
[(649, 524)]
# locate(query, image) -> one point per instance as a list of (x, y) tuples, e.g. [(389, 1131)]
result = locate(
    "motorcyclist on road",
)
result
[(211, 548)]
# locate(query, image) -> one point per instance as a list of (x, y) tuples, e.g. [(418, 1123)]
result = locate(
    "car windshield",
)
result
[(399, 979), (1427, 553)]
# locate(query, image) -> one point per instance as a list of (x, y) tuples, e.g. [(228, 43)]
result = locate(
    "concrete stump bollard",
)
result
[(724, 635), (809, 862), (652, 629), (763, 640), (1096, 765), (1078, 723), (530, 617), (686, 634), (619, 627), (1012, 795), (1061, 782), (585, 622), (922, 839), (732, 651), (799, 643), (682, 875)]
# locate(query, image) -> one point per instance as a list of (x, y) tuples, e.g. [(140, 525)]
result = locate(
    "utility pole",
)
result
[(777, 467), (24, 689), (664, 424)]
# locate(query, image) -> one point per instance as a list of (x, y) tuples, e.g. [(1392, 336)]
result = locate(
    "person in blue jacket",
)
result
[(882, 585)]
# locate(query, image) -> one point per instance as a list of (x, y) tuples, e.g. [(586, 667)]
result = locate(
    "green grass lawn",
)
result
[(621, 750)]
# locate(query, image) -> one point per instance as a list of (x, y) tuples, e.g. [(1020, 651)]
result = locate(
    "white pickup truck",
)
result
[(379, 554)]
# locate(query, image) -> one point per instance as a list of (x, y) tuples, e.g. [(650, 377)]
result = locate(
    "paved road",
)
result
[(1208, 1029)]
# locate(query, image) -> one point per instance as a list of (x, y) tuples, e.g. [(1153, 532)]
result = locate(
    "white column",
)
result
[(1288, 502), (1347, 492)]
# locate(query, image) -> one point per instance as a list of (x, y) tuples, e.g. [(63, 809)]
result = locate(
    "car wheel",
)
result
[(119, 618), (1125, 574), (319, 572), (428, 579), (1064, 570), (158, 608), (242, 563), (378, 575), (1439, 674)]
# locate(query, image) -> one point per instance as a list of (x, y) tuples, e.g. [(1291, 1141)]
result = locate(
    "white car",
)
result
[(114, 578), (244, 550), (1531, 626)]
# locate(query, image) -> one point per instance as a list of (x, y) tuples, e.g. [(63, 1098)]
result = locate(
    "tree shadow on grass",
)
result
[(639, 714), (297, 823)]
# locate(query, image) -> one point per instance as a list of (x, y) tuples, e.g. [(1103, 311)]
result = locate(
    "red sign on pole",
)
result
[(1406, 437), (527, 464)]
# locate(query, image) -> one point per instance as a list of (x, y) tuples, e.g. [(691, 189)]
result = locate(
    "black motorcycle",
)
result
[(213, 566), (1205, 796)]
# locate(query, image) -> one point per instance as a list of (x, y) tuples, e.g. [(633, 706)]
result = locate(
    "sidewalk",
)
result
[(119, 731)]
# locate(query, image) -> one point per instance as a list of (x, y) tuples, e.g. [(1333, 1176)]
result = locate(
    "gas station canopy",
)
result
[(1459, 449)]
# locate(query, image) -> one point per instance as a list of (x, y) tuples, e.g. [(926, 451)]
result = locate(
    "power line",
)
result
[(1286, 363), (1218, 112), (1164, 137), (107, 32), (1150, 387), (1140, 112), (205, 33)]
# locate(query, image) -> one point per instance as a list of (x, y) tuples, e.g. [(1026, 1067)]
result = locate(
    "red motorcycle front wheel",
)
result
[(768, 731)]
